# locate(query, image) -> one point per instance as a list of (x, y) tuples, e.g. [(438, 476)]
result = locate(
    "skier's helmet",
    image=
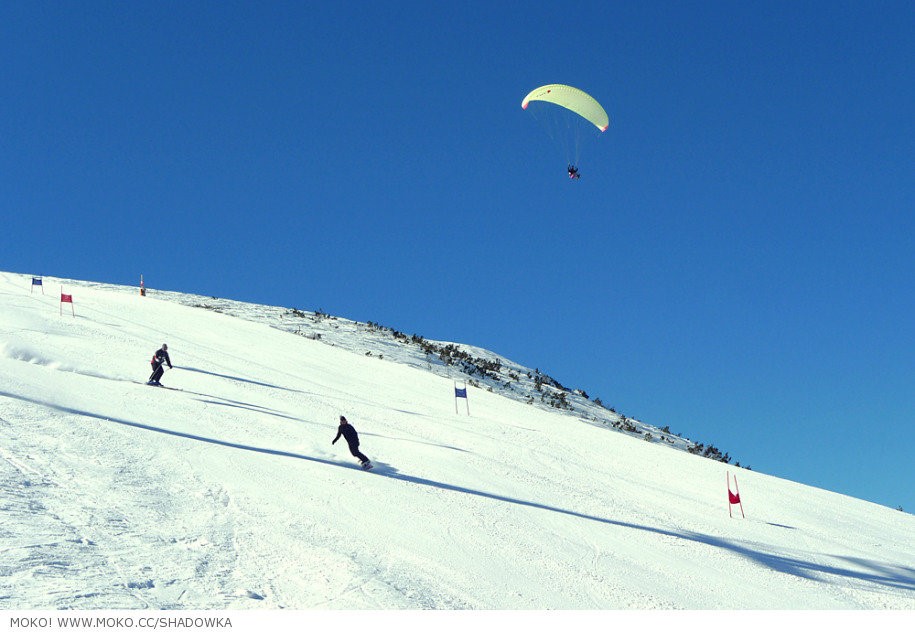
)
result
[(165, 346)]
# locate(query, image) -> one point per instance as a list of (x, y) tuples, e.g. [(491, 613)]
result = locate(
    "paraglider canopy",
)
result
[(571, 118), (573, 99)]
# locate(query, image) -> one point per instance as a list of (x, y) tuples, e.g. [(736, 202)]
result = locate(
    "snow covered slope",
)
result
[(227, 493), (459, 362)]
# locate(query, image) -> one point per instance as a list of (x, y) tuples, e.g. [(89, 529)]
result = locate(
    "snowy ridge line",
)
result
[(449, 360), (230, 495)]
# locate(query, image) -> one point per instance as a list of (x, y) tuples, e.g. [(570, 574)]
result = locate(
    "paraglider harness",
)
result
[(573, 172)]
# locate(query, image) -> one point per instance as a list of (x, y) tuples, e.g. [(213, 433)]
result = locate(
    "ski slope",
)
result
[(226, 493)]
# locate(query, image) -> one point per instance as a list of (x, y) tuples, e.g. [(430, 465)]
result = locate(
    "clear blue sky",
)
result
[(736, 262)]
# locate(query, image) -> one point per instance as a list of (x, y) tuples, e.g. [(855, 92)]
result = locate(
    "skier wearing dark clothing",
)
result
[(160, 359), (352, 439)]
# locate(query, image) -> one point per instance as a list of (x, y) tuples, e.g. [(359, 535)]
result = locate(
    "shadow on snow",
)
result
[(239, 379), (883, 574)]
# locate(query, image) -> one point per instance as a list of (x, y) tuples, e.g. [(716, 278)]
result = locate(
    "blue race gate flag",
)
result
[(461, 392)]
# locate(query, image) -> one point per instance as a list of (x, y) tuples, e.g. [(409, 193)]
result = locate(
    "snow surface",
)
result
[(226, 493)]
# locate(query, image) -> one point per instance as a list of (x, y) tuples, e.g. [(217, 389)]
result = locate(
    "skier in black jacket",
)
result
[(352, 439), (160, 358)]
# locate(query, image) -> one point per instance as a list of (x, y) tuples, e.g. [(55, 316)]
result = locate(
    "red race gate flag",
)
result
[(66, 299), (734, 497)]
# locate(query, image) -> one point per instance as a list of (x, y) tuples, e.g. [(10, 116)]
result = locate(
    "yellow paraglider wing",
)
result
[(573, 99)]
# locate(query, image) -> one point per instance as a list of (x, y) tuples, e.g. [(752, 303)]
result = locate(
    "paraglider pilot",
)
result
[(573, 172)]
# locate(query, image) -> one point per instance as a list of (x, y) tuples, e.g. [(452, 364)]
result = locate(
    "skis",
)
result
[(166, 387)]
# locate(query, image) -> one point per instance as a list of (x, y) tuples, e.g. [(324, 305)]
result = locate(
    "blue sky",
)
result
[(736, 261)]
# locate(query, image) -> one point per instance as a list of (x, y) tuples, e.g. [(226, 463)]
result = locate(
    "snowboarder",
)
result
[(352, 439), (160, 358)]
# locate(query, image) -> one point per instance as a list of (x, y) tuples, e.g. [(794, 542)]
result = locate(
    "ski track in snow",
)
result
[(127, 505)]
